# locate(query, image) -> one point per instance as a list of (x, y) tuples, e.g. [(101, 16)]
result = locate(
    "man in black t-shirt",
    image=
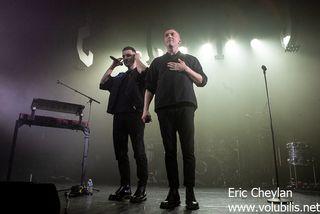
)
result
[(126, 104), (170, 78)]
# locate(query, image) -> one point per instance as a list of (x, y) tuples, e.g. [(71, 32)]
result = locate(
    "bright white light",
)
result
[(256, 44), (206, 51), (231, 44), (207, 48), (264, 49), (183, 49), (160, 52), (285, 41), (232, 48)]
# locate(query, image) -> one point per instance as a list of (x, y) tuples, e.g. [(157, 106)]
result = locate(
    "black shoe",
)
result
[(172, 200), (191, 203), (123, 193), (140, 195)]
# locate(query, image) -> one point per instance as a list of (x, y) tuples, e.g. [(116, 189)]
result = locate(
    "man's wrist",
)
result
[(186, 69)]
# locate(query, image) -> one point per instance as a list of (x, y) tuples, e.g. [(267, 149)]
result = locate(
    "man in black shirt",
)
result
[(170, 78), (126, 104)]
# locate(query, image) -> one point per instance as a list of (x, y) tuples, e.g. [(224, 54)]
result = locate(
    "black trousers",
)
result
[(124, 125), (172, 120)]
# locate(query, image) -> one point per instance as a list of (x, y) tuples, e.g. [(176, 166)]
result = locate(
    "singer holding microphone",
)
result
[(126, 104)]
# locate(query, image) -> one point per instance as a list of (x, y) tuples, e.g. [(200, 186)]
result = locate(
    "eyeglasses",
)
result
[(127, 55)]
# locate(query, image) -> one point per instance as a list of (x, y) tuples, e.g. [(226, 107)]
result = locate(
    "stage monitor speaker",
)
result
[(26, 197)]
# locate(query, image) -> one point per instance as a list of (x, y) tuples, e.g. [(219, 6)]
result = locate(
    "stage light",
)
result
[(285, 41), (289, 44), (207, 48), (206, 51), (183, 49), (289, 36), (232, 48), (231, 44), (256, 43)]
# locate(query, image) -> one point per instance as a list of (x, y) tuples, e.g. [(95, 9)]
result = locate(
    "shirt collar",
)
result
[(177, 54)]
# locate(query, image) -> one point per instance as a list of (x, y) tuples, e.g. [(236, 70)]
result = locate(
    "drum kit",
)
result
[(299, 156)]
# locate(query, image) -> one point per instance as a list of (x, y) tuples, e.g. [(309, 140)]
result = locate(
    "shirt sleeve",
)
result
[(196, 66), (143, 77), (107, 85), (152, 78)]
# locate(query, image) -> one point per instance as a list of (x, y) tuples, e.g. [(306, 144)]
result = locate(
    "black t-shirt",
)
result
[(126, 92), (173, 88)]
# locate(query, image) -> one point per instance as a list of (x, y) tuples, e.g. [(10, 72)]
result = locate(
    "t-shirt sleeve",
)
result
[(107, 85), (152, 78), (198, 68)]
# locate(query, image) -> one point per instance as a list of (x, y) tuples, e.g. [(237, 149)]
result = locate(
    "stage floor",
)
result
[(211, 200)]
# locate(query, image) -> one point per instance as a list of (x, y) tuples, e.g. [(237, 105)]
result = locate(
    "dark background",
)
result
[(38, 41)]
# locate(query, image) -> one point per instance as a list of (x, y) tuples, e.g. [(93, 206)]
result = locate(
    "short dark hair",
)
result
[(129, 48), (171, 28)]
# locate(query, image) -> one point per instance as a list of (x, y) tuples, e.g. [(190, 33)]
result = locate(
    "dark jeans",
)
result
[(124, 125), (172, 120)]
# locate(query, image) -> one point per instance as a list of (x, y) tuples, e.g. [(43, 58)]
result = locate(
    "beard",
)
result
[(128, 61)]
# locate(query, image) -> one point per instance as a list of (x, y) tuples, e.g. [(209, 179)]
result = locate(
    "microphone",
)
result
[(116, 60), (148, 119), (264, 68), (58, 82)]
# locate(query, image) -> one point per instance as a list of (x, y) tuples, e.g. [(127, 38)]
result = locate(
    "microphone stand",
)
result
[(277, 200), (79, 190), (90, 98)]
